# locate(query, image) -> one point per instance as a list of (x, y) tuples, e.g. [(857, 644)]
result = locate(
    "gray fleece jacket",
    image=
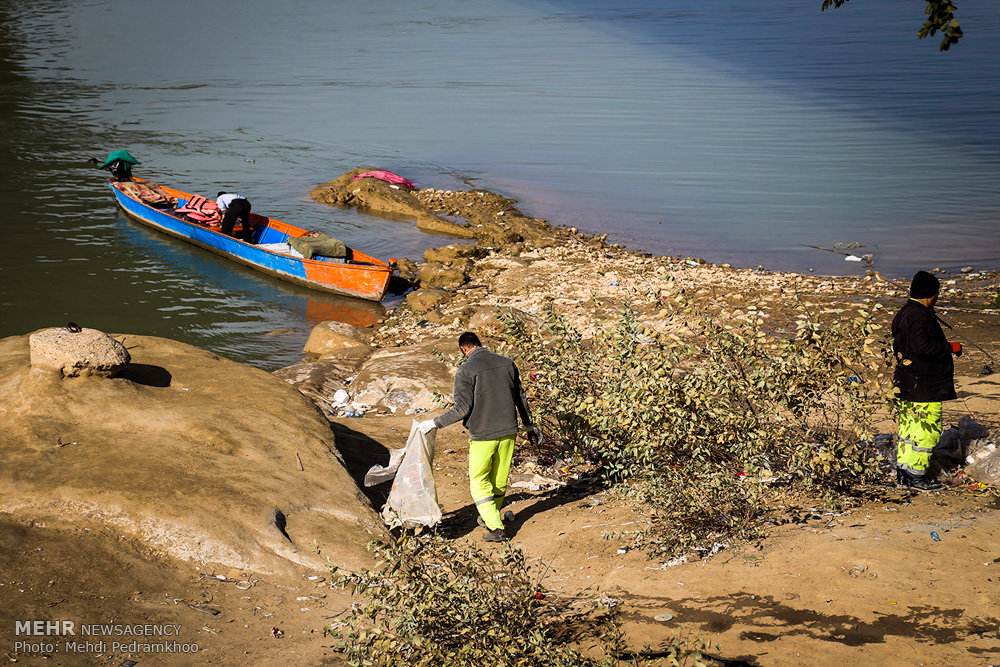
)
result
[(488, 397)]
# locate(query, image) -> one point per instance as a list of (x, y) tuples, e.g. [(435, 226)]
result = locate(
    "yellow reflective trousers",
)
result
[(489, 468), (919, 431)]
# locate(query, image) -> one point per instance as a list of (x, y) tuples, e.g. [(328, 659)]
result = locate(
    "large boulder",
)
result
[(72, 351), (329, 337), (451, 254), (384, 198), (370, 193), (436, 275), (194, 456), (410, 377), (424, 299)]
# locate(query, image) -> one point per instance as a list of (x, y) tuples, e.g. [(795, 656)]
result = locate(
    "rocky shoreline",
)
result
[(510, 262)]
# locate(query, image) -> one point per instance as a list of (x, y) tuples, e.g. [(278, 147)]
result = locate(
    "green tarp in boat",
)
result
[(318, 244)]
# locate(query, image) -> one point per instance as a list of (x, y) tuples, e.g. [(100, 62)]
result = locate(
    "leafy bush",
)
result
[(433, 604), (700, 413)]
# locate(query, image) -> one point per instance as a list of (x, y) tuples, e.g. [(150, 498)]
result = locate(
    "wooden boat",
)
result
[(358, 275)]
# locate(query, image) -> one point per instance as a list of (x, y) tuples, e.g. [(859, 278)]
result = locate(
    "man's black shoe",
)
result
[(497, 535), (905, 480), (924, 485), (508, 516)]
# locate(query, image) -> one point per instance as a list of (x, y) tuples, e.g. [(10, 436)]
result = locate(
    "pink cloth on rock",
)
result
[(388, 177)]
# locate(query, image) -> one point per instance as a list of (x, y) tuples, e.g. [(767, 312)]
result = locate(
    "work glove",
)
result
[(956, 349), (534, 436), (426, 426)]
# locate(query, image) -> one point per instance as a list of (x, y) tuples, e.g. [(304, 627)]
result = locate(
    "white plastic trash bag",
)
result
[(413, 499), (379, 474)]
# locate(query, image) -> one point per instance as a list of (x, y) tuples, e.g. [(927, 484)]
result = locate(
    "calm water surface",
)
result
[(729, 130)]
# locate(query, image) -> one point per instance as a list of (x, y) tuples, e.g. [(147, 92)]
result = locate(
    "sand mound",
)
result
[(194, 455)]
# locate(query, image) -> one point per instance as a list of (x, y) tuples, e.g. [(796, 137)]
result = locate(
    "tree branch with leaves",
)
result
[(940, 18)]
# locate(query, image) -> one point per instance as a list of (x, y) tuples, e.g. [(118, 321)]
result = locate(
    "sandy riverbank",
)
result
[(822, 588), (827, 587)]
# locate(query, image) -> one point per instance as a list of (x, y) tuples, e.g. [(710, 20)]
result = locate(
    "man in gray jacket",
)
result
[(488, 400)]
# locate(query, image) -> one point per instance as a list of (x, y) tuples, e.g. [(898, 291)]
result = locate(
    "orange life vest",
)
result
[(201, 209)]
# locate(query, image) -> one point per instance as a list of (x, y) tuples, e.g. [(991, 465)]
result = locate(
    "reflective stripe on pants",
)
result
[(489, 468), (919, 431)]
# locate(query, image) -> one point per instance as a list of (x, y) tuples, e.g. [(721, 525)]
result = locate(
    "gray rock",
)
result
[(84, 353)]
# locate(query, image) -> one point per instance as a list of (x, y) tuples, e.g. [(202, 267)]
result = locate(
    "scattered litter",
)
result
[(537, 483), (340, 397), (674, 562), (623, 551), (967, 269), (277, 633), (205, 608), (610, 525), (853, 258), (664, 617), (608, 601), (935, 536), (313, 578), (127, 663)]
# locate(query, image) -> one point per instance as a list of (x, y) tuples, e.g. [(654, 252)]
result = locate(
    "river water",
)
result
[(733, 131)]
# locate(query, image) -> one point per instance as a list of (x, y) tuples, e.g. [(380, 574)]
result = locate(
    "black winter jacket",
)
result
[(925, 371)]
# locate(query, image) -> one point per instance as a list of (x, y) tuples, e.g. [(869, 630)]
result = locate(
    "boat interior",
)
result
[(266, 236)]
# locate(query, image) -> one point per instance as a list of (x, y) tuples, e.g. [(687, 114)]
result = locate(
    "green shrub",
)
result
[(699, 414), (432, 602)]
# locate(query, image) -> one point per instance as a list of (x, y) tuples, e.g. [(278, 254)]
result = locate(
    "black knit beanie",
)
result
[(924, 285)]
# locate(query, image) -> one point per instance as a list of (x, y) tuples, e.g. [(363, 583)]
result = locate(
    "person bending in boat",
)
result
[(235, 207)]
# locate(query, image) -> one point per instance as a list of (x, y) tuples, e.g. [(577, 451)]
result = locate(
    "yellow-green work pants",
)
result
[(489, 468), (919, 431)]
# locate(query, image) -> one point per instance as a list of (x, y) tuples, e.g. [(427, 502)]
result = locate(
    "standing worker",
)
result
[(235, 207), (488, 400), (925, 376)]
